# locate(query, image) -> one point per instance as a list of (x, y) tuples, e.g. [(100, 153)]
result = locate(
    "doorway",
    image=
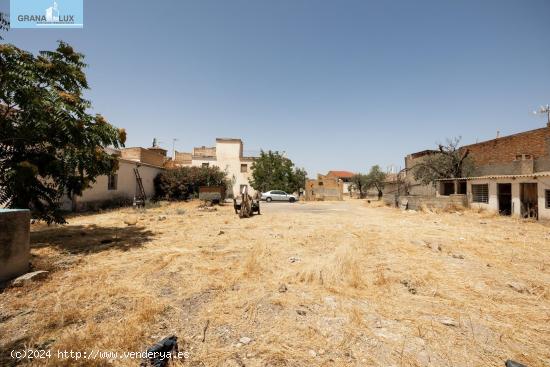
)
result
[(529, 200), (462, 187), (504, 198)]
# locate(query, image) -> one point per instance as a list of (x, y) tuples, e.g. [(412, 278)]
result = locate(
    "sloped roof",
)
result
[(534, 175)]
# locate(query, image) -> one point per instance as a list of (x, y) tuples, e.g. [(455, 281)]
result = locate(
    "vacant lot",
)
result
[(332, 284)]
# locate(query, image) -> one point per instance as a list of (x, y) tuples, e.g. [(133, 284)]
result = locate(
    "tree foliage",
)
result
[(376, 179), (449, 161), (359, 183), (273, 171), (183, 183), (49, 144)]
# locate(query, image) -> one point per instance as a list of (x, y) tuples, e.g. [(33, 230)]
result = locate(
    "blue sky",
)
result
[(335, 84)]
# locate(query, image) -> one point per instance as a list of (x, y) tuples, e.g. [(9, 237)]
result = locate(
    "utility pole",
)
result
[(544, 110), (174, 148)]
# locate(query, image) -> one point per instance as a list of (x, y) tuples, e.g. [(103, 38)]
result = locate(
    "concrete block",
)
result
[(29, 277), (14, 243)]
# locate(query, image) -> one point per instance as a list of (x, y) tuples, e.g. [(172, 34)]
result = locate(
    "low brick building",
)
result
[(512, 175), (324, 188), (344, 176)]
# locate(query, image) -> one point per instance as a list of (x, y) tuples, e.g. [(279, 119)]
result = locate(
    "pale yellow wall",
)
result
[(228, 155), (126, 185)]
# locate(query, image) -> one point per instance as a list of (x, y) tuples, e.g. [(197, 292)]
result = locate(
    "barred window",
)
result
[(547, 197), (480, 193)]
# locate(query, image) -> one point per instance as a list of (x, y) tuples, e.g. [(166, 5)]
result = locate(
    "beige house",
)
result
[(228, 156), (122, 186)]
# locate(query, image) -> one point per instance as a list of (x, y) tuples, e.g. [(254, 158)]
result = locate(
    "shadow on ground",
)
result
[(6, 358), (90, 238)]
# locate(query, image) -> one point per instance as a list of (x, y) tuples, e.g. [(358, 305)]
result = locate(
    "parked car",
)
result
[(277, 195)]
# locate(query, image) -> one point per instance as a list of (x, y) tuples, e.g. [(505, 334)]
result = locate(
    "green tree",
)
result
[(376, 179), (359, 183), (300, 178), (273, 171), (449, 161), (49, 144), (183, 183)]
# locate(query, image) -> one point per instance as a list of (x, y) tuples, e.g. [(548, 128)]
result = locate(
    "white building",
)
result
[(228, 156), (525, 196)]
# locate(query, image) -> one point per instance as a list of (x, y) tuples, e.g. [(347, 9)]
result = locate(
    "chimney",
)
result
[(498, 134)]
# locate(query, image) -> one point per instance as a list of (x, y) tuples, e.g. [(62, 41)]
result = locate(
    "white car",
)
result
[(277, 195)]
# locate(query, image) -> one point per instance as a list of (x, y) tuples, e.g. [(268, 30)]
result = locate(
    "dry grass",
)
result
[(365, 285)]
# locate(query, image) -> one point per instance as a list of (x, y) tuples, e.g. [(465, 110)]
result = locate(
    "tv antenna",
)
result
[(544, 110)]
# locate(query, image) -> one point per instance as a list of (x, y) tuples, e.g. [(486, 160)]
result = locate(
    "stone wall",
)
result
[(14, 243), (415, 186), (416, 202)]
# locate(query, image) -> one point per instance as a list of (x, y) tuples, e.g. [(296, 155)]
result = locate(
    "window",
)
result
[(244, 167), (480, 193), (547, 197), (205, 165), (520, 157), (112, 182)]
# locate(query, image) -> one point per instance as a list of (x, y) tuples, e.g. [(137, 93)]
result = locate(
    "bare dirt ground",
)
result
[(316, 284)]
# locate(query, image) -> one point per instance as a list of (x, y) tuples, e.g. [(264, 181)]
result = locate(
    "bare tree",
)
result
[(450, 161)]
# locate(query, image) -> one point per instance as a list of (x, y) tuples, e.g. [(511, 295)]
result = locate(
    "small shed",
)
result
[(213, 194)]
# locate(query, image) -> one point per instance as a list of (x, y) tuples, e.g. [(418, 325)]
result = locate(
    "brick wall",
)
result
[(142, 155), (504, 150), (324, 188), (183, 158), (204, 151)]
